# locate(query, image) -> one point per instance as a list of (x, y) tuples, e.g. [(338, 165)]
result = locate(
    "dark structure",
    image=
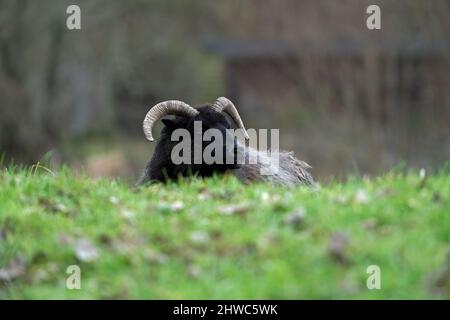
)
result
[(375, 78), (389, 98)]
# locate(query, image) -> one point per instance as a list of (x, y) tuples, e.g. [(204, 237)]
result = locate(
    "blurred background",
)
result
[(346, 99)]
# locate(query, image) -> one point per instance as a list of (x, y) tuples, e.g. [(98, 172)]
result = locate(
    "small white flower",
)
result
[(199, 237)]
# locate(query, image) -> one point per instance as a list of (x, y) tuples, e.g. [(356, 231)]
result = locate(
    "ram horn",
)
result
[(171, 107), (223, 104)]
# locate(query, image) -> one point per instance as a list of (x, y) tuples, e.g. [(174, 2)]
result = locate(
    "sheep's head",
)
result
[(187, 117)]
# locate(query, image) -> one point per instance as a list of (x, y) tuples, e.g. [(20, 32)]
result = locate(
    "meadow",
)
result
[(220, 239)]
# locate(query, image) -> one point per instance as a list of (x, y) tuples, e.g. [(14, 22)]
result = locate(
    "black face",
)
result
[(162, 167)]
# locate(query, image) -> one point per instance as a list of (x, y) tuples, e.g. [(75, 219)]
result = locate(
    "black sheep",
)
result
[(288, 170)]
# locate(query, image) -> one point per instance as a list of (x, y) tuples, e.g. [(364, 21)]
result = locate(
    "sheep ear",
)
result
[(170, 124)]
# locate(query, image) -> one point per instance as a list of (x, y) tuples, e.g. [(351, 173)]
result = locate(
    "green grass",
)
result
[(220, 239)]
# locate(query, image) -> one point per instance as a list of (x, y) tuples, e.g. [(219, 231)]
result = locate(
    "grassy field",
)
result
[(220, 239)]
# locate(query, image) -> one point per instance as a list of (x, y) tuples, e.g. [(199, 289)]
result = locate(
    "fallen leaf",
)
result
[(65, 239), (176, 206), (194, 271), (370, 224), (385, 229), (44, 272), (128, 242), (61, 207), (51, 206), (128, 214), (268, 240), (296, 218), (199, 237), (337, 248), (155, 257), (342, 199), (171, 207), (361, 196), (105, 239), (204, 195), (233, 209), (442, 278), (13, 270), (114, 200), (85, 250), (223, 194), (2, 234), (437, 197), (266, 197)]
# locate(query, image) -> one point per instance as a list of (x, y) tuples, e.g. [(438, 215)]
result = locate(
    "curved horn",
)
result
[(223, 104), (165, 108)]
